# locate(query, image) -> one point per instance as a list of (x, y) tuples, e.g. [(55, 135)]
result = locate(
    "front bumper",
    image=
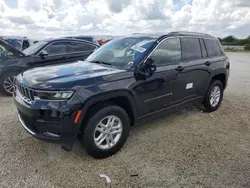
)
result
[(51, 121)]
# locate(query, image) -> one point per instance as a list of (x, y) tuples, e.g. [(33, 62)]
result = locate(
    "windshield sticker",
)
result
[(142, 43), (138, 48)]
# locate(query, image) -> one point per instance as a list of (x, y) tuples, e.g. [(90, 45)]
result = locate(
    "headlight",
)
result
[(53, 95)]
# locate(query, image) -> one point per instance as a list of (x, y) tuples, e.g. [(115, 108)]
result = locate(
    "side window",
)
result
[(203, 48), (25, 44), (168, 52), (190, 49), (80, 47), (213, 48), (57, 48)]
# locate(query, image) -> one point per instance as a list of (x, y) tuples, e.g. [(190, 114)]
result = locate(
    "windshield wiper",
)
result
[(100, 62)]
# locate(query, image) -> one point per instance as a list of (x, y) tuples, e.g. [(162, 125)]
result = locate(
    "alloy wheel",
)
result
[(215, 96), (108, 132), (9, 84)]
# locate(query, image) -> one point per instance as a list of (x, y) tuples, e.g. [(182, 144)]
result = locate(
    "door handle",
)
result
[(63, 58), (207, 63), (180, 68)]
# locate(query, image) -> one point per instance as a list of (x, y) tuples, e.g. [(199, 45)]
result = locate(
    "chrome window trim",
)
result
[(67, 53), (159, 42), (85, 43)]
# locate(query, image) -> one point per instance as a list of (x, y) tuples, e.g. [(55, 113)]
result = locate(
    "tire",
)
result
[(2, 81), (208, 104), (89, 133)]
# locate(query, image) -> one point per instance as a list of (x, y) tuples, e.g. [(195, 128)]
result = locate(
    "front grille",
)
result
[(26, 93)]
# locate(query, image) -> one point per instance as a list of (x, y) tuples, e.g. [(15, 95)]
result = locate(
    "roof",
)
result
[(13, 37), (69, 39), (187, 33), (175, 33)]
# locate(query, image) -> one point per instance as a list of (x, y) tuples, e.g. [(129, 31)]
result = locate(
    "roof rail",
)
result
[(188, 33)]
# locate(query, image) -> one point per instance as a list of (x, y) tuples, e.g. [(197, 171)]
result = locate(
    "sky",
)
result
[(38, 19)]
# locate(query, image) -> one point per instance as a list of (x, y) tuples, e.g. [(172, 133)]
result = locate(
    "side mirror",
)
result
[(145, 70), (43, 53)]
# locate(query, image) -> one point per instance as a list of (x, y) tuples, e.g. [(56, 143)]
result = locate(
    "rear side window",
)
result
[(168, 52), (203, 48), (80, 47), (213, 48), (190, 49), (57, 48)]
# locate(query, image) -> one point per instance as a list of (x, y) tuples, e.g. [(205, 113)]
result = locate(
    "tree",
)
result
[(230, 38), (247, 47), (220, 39)]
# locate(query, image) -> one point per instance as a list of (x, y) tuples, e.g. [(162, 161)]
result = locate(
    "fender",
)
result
[(11, 69), (217, 72), (107, 96)]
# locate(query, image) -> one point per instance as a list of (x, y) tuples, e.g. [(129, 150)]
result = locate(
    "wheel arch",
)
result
[(124, 99), (11, 69), (220, 75)]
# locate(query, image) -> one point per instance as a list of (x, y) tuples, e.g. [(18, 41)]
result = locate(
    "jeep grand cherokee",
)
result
[(125, 81)]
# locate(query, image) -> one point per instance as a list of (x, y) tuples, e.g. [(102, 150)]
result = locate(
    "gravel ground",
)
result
[(185, 149)]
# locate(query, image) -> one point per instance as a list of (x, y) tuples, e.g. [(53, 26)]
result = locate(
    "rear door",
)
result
[(194, 58), (80, 50)]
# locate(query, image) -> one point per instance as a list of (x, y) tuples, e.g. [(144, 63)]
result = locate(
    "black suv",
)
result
[(125, 81), (46, 52)]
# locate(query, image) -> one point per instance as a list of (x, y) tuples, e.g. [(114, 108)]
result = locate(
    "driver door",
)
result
[(165, 88)]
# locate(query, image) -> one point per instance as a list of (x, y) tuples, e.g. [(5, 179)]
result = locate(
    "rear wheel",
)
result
[(106, 131), (213, 96), (7, 83)]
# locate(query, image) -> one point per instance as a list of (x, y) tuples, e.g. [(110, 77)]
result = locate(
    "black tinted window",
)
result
[(190, 48), (203, 48), (169, 51), (57, 48), (80, 47), (213, 48), (25, 44)]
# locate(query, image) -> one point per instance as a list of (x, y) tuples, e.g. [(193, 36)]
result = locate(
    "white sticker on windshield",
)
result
[(138, 48)]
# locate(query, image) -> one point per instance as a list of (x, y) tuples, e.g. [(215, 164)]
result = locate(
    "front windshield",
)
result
[(33, 48), (122, 52)]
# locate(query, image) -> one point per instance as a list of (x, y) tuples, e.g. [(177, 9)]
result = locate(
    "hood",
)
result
[(66, 75)]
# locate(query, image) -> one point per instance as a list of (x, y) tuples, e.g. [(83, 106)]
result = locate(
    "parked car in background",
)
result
[(103, 41), (127, 80), (87, 38), (20, 43), (42, 53), (97, 39)]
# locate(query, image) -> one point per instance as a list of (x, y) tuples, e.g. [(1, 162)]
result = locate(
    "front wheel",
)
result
[(7, 83), (106, 132), (213, 96)]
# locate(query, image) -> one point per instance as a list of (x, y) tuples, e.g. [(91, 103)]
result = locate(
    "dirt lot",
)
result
[(186, 149)]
